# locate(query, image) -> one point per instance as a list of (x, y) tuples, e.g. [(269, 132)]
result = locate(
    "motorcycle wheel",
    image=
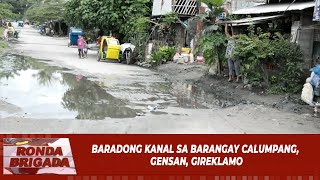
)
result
[(128, 56)]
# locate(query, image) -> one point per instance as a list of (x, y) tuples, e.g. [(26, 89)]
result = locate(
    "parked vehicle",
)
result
[(42, 30), (20, 23), (73, 36), (127, 53), (109, 49)]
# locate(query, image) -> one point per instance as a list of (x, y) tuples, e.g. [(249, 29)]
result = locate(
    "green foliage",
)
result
[(3, 45), (254, 50), (6, 11), (140, 42), (164, 54), (18, 7), (257, 49), (216, 8), (46, 11), (169, 19), (213, 46), (113, 16), (288, 58)]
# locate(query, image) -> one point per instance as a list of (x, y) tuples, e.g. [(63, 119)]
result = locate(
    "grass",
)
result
[(3, 45)]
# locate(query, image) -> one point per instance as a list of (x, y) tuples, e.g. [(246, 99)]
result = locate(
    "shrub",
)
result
[(164, 54), (213, 47), (288, 58), (258, 49)]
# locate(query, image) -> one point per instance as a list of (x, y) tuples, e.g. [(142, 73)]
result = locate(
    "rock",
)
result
[(248, 86), (245, 81)]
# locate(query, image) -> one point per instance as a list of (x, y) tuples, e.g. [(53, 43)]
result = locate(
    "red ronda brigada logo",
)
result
[(38, 156)]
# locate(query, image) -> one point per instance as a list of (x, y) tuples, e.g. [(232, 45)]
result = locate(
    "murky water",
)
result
[(43, 91)]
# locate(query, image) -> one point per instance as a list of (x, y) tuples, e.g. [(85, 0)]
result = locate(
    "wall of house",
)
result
[(161, 7), (180, 36), (306, 37), (233, 5)]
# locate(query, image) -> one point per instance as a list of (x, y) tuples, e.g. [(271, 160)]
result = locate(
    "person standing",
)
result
[(81, 45), (233, 62)]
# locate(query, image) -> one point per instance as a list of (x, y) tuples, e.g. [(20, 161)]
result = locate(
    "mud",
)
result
[(233, 94)]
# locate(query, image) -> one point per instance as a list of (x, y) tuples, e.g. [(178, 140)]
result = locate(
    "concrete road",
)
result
[(133, 99)]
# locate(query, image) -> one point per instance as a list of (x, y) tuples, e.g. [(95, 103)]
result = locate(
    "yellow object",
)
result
[(109, 49), (186, 50), (22, 143)]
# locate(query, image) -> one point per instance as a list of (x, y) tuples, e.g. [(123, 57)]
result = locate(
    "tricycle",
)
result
[(109, 49), (73, 36)]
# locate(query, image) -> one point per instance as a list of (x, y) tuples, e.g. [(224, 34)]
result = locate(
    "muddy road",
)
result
[(46, 88)]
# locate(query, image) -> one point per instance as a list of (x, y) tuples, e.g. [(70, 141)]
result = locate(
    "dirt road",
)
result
[(46, 88)]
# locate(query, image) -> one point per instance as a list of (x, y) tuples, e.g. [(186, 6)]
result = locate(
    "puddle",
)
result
[(43, 91), (166, 94)]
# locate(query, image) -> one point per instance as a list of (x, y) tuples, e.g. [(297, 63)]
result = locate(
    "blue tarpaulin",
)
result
[(316, 14)]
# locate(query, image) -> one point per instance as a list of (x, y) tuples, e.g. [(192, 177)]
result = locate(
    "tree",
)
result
[(116, 16), (212, 42), (6, 11), (47, 10)]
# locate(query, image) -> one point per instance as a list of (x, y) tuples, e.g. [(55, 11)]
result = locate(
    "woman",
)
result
[(233, 63), (81, 45)]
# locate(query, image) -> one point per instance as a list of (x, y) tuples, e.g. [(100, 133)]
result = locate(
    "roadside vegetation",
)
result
[(3, 45), (270, 61)]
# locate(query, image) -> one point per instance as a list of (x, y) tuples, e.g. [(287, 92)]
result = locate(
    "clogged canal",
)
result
[(48, 92)]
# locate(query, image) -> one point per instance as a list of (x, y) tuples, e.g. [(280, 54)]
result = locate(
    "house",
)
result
[(233, 5), (185, 9), (287, 17)]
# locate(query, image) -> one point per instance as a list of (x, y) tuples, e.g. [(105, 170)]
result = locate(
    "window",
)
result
[(113, 42)]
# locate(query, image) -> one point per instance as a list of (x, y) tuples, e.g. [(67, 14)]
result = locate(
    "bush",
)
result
[(164, 54), (213, 47), (288, 58), (258, 49)]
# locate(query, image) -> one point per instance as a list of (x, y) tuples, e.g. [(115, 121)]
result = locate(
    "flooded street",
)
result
[(46, 88)]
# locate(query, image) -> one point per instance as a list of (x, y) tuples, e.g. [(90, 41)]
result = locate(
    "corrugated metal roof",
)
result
[(253, 19), (269, 8)]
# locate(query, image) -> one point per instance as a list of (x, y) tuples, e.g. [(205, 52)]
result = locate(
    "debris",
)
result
[(152, 108), (248, 86), (140, 114)]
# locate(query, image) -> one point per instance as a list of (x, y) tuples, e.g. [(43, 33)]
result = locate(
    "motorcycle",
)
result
[(127, 50), (42, 30)]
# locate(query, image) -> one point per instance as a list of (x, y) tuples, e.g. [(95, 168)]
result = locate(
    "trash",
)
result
[(140, 114), (307, 94), (316, 69), (308, 80), (152, 108), (200, 59), (315, 81)]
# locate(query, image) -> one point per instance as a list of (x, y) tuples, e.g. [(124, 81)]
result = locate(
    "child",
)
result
[(81, 45)]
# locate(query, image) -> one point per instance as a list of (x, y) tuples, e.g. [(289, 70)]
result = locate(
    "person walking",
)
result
[(81, 45), (233, 62)]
